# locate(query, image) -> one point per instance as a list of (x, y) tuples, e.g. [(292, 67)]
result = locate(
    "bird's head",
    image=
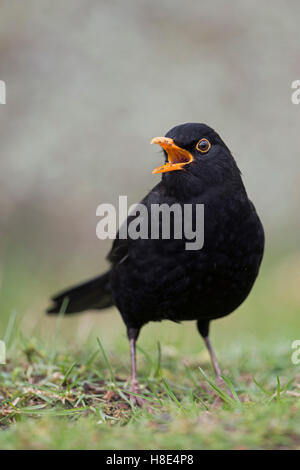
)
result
[(196, 150)]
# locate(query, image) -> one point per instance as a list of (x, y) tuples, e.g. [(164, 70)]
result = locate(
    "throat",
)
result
[(182, 185)]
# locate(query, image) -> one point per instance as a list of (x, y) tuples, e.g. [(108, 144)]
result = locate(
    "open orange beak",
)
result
[(177, 156)]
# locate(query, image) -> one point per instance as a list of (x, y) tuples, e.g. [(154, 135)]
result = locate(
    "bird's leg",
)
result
[(203, 328), (133, 334), (213, 359)]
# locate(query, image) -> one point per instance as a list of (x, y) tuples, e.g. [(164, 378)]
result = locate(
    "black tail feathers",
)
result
[(93, 294)]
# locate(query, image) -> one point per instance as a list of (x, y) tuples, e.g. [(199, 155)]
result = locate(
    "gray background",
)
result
[(89, 83)]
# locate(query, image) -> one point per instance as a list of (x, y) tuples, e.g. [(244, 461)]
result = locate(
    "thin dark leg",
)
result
[(132, 339), (133, 334), (213, 358), (203, 328)]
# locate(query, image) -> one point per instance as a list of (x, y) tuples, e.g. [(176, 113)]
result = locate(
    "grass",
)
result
[(65, 383)]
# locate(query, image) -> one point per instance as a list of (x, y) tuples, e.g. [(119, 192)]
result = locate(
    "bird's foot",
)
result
[(220, 382), (134, 391)]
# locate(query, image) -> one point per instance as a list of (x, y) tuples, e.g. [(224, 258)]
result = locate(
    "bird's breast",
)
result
[(160, 278)]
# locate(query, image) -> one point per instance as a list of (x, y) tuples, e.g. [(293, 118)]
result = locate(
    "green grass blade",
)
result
[(107, 363), (226, 398)]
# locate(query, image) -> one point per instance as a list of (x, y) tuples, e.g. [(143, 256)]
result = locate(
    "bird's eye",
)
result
[(203, 146)]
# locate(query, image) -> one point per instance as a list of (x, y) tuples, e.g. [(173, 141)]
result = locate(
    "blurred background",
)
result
[(89, 83)]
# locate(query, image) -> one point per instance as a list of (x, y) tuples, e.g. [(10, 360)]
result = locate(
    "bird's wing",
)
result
[(120, 247), (119, 250)]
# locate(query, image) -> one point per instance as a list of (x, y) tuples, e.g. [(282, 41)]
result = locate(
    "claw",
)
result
[(135, 388)]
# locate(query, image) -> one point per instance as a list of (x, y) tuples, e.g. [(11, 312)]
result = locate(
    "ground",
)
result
[(64, 384)]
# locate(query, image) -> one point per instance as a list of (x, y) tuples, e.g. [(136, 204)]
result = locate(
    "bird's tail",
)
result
[(93, 294)]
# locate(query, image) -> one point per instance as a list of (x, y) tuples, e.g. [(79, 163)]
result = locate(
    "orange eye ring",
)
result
[(203, 146)]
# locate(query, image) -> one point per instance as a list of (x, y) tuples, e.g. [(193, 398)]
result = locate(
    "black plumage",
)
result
[(157, 279)]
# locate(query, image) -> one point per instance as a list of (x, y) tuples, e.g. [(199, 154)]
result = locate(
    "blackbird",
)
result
[(157, 278)]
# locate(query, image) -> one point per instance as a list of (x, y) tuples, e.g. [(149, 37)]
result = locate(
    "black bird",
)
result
[(159, 279)]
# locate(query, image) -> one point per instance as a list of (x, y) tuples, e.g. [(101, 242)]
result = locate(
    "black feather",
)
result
[(94, 294)]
